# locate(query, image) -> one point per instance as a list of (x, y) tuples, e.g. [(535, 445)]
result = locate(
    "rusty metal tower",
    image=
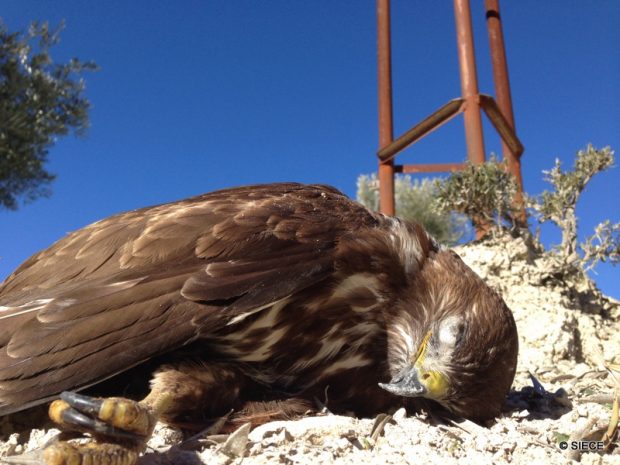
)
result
[(470, 103)]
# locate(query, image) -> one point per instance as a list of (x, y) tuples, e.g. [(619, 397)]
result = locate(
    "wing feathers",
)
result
[(124, 289), (27, 381)]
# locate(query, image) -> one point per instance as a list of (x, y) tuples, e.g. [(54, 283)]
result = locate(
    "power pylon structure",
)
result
[(470, 103)]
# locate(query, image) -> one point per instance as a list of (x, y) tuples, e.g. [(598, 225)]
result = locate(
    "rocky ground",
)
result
[(563, 392)]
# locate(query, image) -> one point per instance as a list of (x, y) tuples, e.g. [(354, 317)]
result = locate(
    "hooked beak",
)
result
[(406, 384)]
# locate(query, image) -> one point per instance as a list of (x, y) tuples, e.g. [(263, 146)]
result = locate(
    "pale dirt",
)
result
[(567, 331)]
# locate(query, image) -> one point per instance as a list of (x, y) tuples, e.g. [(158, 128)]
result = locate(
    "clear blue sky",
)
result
[(194, 96)]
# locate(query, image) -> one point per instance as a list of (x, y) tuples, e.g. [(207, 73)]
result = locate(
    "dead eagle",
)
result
[(253, 294)]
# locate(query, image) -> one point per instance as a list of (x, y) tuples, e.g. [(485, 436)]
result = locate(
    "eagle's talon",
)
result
[(74, 453), (73, 417), (120, 428), (115, 417), (92, 453)]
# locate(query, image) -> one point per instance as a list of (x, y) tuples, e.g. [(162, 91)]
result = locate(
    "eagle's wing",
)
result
[(122, 290)]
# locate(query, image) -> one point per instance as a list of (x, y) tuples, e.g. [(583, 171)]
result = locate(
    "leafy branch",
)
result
[(559, 206), (39, 101)]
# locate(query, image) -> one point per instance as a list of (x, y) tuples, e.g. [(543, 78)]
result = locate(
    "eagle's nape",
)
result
[(262, 295)]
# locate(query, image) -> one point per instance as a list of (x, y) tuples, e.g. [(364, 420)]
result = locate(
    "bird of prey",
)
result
[(259, 294)]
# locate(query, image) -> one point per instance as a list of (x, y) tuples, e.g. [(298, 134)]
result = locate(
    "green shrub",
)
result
[(559, 206), (484, 193)]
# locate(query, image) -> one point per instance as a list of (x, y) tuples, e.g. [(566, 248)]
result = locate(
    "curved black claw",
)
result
[(82, 403), (73, 417)]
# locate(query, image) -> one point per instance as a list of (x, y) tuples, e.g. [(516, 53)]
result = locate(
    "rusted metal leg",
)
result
[(502, 95), (469, 89), (386, 132), (469, 82)]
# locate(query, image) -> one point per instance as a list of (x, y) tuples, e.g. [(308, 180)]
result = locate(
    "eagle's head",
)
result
[(452, 340)]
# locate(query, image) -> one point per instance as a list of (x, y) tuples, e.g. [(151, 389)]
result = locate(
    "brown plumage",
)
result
[(259, 293)]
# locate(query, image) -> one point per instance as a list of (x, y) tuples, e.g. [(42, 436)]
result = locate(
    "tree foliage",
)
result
[(484, 193), (415, 200), (39, 101), (559, 206), (602, 246)]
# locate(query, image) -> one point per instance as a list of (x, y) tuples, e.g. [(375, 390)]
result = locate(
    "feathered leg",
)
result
[(182, 394)]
